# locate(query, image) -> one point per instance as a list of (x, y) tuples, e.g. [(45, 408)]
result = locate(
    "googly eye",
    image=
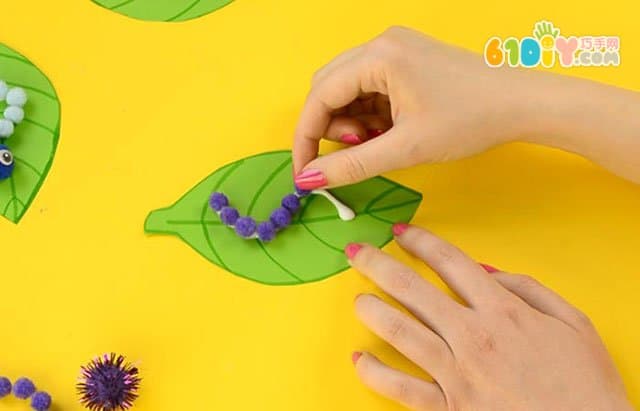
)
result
[(6, 158)]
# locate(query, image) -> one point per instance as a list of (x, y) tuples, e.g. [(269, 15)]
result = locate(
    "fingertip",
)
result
[(362, 302), (355, 356), (375, 132), (304, 152), (399, 228), (352, 249), (489, 269)]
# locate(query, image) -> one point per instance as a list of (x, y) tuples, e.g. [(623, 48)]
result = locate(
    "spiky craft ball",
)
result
[(108, 383)]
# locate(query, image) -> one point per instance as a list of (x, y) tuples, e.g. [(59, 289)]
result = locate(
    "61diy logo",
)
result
[(547, 46)]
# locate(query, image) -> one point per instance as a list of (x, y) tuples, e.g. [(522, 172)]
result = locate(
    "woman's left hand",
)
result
[(514, 346)]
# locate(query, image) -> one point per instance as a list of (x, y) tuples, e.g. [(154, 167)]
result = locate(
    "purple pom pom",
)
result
[(281, 217), (5, 387), (302, 193), (23, 388), (217, 201), (291, 203), (245, 227), (41, 401), (266, 231), (229, 215), (108, 383)]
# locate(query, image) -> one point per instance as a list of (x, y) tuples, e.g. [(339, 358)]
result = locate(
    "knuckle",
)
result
[(512, 312), (582, 321), (482, 341), (316, 76), (364, 301), (395, 329), (400, 391), (403, 281), (395, 31), (414, 151), (354, 168), (445, 253), (526, 282), (387, 43)]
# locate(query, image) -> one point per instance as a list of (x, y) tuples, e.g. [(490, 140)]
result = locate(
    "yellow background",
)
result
[(148, 109)]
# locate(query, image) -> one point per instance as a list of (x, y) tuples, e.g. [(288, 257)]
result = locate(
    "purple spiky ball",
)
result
[(108, 383)]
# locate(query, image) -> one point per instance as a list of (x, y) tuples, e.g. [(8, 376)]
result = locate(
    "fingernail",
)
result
[(351, 139), (311, 179), (489, 268), (351, 250), (375, 132), (399, 228), (355, 357)]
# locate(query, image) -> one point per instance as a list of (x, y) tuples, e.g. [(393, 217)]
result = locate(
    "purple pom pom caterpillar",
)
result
[(280, 218)]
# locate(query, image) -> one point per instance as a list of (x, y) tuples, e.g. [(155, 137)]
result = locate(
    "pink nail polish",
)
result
[(311, 179), (399, 228), (351, 250), (373, 133), (352, 139), (489, 268), (355, 357)]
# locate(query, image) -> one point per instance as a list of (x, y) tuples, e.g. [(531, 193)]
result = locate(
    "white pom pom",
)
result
[(4, 89), (6, 128), (16, 97), (14, 113)]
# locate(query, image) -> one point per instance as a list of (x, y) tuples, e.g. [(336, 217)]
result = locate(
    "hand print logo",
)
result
[(546, 34), (547, 44)]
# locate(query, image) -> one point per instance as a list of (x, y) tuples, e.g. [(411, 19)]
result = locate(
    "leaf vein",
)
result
[(183, 12), (124, 3), (277, 263), (379, 197), (29, 165), (37, 124), (37, 90), (10, 56), (266, 183), (206, 208), (394, 206)]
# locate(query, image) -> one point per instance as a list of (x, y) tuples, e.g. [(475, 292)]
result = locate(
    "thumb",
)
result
[(357, 163)]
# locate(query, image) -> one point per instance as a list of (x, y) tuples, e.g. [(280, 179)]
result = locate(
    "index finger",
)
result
[(334, 90), (465, 276)]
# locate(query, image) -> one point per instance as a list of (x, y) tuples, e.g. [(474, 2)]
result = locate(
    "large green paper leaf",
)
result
[(35, 140), (310, 249), (163, 10)]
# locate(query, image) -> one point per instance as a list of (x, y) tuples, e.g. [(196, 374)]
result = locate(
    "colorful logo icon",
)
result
[(547, 47)]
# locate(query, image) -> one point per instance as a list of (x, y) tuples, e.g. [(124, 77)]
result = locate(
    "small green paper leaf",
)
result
[(310, 249), (163, 10), (34, 141)]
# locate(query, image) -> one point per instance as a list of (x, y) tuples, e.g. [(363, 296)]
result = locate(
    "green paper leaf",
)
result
[(34, 141), (163, 10), (310, 249)]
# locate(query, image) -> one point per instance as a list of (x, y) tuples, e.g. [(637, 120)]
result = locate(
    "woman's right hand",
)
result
[(405, 98), (430, 102)]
